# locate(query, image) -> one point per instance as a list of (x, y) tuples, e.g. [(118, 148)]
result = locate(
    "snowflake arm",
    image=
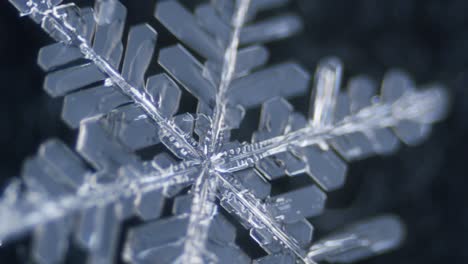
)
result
[(264, 228), (59, 188), (69, 25), (227, 72), (409, 112)]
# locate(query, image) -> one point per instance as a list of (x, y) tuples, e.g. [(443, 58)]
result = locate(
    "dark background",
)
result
[(425, 185)]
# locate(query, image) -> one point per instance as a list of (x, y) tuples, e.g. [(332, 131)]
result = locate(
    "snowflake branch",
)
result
[(420, 106), (227, 73), (254, 211), (49, 15), (20, 214), (201, 214)]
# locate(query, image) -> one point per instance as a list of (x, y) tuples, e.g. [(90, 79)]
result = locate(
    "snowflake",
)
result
[(208, 176)]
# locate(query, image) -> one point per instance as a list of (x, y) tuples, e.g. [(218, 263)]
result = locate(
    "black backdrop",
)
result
[(425, 185)]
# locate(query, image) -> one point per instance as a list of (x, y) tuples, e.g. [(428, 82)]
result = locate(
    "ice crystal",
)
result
[(86, 194)]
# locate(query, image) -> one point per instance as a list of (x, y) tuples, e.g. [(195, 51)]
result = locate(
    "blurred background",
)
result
[(425, 185)]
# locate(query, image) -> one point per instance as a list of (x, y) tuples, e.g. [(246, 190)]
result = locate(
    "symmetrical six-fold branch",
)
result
[(118, 113)]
